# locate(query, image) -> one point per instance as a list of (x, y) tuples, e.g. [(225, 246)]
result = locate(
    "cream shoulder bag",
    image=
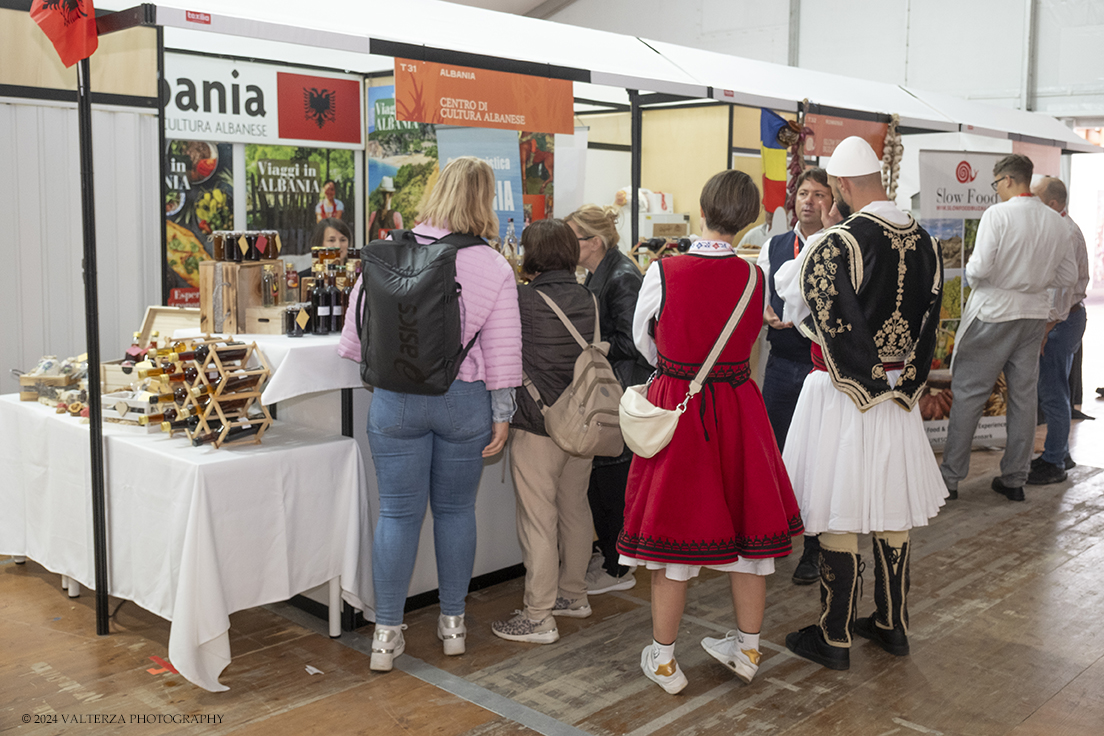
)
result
[(646, 428)]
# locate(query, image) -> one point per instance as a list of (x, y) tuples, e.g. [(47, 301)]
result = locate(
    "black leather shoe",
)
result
[(807, 571), (1045, 474), (809, 643), (894, 641), (952, 494), (1012, 494), (1078, 414)]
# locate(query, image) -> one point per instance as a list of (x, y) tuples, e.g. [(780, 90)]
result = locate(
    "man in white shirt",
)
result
[(789, 361), (1061, 342), (1022, 250)]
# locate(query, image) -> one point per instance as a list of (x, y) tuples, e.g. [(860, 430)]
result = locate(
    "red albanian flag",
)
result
[(70, 25)]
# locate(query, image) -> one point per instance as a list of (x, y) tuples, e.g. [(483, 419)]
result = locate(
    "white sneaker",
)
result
[(578, 608), (730, 652), (668, 676), (599, 581), (387, 643), (451, 631)]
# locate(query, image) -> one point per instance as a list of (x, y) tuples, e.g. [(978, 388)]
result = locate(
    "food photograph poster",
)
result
[(402, 164), (199, 185), (954, 192)]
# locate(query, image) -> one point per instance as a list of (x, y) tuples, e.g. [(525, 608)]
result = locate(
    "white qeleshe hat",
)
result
[(387, 185), (853, 157)]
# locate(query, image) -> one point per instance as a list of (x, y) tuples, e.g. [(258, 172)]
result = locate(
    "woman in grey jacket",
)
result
[(553, 516)]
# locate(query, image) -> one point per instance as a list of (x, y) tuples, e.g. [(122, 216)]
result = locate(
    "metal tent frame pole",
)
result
[(92, 332)]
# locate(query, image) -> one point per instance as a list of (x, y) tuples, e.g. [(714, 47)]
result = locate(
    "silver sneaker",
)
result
[(522, 628), (599, 581), (451, 631), (387, 643), (578, 608), (668, 676), (730, 652)]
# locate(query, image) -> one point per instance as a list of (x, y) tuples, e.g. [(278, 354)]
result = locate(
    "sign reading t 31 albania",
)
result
[(426, 92), (206, 98)]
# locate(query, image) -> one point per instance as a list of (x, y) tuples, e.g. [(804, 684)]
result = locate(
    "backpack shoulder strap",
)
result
[(563, 318), (461, 240), (528, 384)]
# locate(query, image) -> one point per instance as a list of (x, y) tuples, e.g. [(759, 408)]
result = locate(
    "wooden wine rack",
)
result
[(215, 412)]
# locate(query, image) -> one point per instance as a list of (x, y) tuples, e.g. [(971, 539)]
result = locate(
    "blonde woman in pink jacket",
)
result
[(430, 449)]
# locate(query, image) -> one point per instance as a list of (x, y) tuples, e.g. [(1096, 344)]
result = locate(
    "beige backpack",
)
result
[(584, 420)]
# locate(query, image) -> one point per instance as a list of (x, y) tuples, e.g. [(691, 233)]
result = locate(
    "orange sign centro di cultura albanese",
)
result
[(427, 92)]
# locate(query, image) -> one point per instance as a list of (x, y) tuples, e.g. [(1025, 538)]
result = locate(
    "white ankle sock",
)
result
[(662, 653), (748, 641)]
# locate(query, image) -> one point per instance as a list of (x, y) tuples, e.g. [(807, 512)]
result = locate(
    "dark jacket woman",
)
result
[(616, 282), (548, 349)]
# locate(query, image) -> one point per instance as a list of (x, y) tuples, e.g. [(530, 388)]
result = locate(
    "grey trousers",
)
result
[(985, 350)]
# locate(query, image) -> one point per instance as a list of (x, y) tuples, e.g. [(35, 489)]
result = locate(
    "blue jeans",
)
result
[(782, 382), (1054, 389), (426, 449)]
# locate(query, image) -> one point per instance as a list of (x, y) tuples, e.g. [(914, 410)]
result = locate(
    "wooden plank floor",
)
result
[(1006, 639)]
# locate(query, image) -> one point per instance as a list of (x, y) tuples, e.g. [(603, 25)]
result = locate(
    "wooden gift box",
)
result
[(264, 320), (166, 321), (227, 290), (28, 384), (128, 408)]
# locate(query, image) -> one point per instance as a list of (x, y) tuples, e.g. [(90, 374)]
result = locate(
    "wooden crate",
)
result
[(264, 320), (226, 290), (28, 384)]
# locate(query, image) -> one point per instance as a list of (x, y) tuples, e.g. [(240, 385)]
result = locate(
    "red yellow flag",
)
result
[(70, 25)]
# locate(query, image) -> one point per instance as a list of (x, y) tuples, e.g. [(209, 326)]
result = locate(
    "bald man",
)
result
[(1063, 337)]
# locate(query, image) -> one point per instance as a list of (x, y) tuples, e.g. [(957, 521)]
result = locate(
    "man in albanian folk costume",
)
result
[(867, 292)]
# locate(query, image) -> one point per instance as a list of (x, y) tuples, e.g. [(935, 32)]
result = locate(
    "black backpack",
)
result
[(408, 313)]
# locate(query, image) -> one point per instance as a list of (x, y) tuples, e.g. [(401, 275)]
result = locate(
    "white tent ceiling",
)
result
[(781, 87), (977, 117), (340, 34)]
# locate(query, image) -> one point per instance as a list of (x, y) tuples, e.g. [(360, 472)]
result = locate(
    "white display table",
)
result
[(306, 371), (194, 534)]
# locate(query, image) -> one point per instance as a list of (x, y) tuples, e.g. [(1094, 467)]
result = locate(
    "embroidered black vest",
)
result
[(875, 290)]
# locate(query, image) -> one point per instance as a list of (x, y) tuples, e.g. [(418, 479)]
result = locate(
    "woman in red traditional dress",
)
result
[(718, 495)]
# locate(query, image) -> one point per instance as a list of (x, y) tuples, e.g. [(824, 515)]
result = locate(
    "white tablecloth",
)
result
[(194, 534)]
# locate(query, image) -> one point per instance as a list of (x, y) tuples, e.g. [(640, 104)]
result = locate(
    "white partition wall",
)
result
[(41, 243)]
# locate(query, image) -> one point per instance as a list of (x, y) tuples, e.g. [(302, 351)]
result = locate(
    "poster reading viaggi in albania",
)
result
[(954, 192)]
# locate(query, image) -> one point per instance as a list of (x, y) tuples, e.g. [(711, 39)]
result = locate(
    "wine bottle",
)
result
[(164, 370), (270, 288), (333, 298), (187, 423), (226, 351), (320, 304), (168, 415), (230, 385), (234, 433), (177, 348)]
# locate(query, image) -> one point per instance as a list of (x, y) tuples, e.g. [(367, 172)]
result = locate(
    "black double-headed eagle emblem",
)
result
[(70, 10), (320, 105)]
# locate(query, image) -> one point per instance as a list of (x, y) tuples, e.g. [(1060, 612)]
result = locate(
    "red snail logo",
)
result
[(964, 173)]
